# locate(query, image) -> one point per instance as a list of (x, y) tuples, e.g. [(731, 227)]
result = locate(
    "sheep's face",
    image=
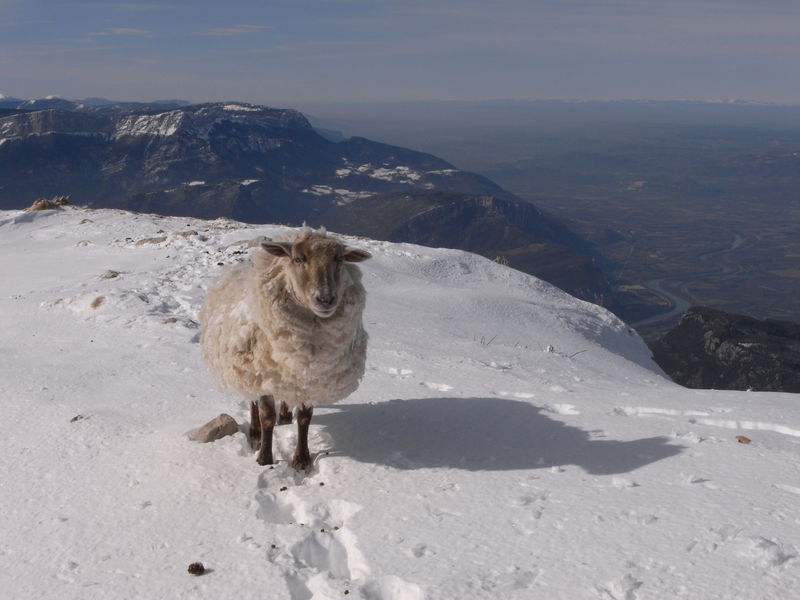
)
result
[(315, 270)]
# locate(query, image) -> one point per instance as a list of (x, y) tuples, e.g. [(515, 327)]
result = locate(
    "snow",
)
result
[(343, 196), (241, 108), (398, 174), (160, 124), (508, 441)]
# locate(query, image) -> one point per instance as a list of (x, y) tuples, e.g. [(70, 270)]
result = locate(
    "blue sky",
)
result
[(287, 52)]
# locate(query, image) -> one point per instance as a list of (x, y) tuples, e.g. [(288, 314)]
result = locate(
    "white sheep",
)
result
[(287, 325)]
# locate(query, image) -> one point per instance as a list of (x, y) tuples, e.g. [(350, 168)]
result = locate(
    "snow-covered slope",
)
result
[(508, 441)]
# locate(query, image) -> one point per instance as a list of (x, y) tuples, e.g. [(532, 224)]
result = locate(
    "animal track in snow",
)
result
[(422, 551), (764, 553), (318, 552), (623, 588), (496, 584)]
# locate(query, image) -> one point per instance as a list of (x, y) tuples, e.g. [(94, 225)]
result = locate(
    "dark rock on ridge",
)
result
[(712, 349)]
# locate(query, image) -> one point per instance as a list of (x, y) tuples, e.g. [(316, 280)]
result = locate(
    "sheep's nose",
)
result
[(326, 300)]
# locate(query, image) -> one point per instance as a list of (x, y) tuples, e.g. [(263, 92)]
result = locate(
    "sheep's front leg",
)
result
[(302, 459), (255, 427), (285, 418), (267, 418)]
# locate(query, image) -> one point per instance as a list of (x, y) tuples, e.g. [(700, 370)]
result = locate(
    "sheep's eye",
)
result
[(299, 259)]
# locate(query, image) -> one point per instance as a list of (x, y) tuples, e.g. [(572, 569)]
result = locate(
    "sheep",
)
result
[(288, 325)]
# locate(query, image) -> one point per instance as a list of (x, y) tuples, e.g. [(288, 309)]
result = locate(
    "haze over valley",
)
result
[(689, 203)]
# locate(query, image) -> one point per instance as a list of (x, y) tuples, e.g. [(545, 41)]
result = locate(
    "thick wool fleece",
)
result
[(257, 339)]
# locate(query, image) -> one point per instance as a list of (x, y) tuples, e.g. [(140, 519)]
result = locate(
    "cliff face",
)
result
[(713, 349)]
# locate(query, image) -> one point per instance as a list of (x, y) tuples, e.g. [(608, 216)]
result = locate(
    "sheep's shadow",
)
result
[(478, 434)]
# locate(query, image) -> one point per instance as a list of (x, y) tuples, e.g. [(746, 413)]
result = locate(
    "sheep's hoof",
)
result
[(264, 459), (285, 419), (255, 444), (301, 462)]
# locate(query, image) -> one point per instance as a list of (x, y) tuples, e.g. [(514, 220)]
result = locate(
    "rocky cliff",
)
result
[(713, 349)]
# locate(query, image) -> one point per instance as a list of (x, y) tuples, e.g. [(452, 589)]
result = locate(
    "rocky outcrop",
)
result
[(716, 350)]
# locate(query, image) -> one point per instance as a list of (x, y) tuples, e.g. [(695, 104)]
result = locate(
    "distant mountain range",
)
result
[(260, 164)]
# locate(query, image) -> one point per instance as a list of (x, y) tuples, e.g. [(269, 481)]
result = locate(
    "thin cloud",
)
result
[(122, 31), (233, 30)]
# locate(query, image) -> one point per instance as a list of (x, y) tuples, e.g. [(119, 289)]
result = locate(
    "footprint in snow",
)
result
[(316, 549), (623, 588)]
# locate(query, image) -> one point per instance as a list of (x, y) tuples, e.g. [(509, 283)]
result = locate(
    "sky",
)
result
[(287, 52)]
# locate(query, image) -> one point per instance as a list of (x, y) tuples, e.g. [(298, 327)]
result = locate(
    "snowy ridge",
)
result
[(200, 122), (508, 440), (197, 122)]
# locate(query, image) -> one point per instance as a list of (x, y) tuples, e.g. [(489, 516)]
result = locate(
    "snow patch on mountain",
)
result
[(343, 196)]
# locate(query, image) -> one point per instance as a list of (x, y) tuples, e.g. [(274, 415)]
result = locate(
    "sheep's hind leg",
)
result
[(301, 460), (285, 417), (255, 427), (267, 418)]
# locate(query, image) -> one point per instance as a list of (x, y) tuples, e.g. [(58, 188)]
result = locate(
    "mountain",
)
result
[(508, 441), (260, 164), (710, 348)]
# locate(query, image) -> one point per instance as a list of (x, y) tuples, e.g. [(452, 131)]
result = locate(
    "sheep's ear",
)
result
[(278, 248), (355, 255)]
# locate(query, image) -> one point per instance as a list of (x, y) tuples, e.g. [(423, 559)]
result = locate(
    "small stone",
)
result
[(743, 440), (77, 418), (321, 483), (283, 489), (196, 568), (216, 428), (110, 274)]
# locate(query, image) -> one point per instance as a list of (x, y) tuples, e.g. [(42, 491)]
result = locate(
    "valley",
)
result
[(687, 203)]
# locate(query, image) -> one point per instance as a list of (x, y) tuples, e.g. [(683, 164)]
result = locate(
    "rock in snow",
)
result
[(216, 429)]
